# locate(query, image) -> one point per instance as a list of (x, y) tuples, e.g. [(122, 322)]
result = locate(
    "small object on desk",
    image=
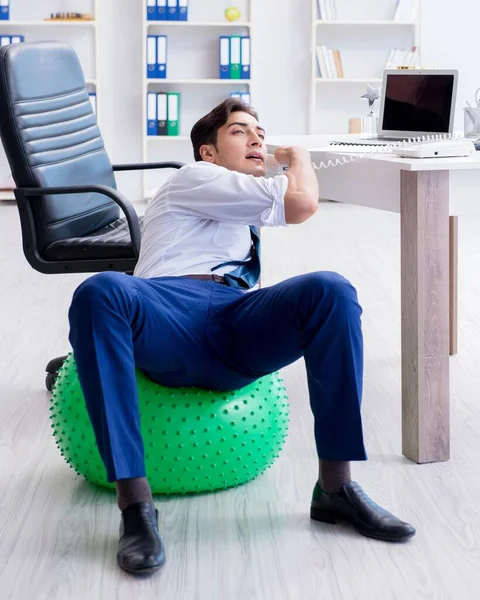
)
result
[(369, 123), (372, 95), (472, 118)]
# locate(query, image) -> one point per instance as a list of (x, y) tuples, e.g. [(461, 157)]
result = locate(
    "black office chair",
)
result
[(66, 192)]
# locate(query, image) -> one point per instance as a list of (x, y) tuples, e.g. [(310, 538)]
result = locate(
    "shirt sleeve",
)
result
[(208, 191)]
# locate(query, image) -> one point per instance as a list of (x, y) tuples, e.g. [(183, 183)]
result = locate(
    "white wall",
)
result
[(449, 40), (281, 48)]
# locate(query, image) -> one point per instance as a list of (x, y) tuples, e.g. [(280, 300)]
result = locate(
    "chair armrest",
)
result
[(146, 166), (132, 217)]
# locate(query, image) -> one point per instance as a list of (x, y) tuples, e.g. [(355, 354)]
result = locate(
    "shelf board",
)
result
[(393, 23), (200, 81), (156, 138), (198, 23), (345, 80), (49, 23)]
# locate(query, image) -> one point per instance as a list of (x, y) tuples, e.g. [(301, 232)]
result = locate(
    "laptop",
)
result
[(414, 104)]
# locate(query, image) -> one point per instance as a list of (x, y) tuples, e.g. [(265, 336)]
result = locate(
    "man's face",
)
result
[(240, 145)]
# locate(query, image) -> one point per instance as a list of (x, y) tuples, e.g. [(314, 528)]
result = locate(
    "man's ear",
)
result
[(207, 152)]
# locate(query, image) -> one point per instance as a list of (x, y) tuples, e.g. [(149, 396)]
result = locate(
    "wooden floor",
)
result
[(58, 534)]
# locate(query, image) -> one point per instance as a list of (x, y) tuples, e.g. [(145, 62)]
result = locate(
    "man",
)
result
[(191, 316)]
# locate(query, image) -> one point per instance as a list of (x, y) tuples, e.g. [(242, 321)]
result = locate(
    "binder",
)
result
[(173, 113), (151, 10), (245, 57), (152, 125), (4, 10), (151, 56), (162, 114), (182, 9), (172, 10), (224, 59), (17, 39), (161, 10), (93, 101), (235, 56), (5, 40), (245, 97), (161, 56), (236, 95)]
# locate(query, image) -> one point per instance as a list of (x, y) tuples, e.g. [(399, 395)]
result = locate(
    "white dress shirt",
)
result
[(200, 218)]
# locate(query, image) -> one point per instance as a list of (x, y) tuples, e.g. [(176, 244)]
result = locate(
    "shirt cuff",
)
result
[(275, 215)]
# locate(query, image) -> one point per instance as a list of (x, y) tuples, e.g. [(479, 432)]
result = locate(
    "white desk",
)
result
[(426, 192)]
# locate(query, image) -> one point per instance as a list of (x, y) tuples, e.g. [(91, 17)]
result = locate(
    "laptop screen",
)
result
[(418, 102)]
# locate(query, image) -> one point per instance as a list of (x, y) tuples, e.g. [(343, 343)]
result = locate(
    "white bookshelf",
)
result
[(364, 33), (192, 70), (27, 19)]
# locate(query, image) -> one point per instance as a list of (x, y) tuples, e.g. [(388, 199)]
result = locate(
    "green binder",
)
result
[(235, 57), (173, 99)]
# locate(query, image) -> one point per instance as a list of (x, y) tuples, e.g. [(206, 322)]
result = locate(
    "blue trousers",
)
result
[(188, 332)]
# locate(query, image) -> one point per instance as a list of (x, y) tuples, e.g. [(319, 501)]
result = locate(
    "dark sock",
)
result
[(131, 491), (333, 475)]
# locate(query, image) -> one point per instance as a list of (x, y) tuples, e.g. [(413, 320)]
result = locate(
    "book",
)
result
[(329, 62)]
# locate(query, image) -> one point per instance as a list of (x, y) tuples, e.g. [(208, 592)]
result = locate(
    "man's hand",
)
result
[(285, 154), (301, 198)]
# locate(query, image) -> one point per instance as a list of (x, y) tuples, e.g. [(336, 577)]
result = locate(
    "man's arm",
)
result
[(301, 198), (207, 191)]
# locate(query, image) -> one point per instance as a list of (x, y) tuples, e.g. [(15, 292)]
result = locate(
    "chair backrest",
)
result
[(50, 135)]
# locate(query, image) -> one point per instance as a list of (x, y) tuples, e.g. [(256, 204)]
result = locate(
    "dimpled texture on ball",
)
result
[(195, 440)]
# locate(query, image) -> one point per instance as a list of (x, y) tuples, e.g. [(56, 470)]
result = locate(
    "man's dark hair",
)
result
[(205, 130)]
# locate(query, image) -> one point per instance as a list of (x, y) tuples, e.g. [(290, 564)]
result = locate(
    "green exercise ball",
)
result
[(195, 440)]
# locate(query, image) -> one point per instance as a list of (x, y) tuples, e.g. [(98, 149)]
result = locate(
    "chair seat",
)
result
[(112, 241)]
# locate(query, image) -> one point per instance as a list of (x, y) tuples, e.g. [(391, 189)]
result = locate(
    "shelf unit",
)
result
[(375, 38), (199, 35), (36, 30)]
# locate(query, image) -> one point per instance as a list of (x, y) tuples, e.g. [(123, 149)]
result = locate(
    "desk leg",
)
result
[(453, 221), (425, 315)]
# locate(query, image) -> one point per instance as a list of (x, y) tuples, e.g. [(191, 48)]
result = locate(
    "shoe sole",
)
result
[(327, 517), (146, 571)]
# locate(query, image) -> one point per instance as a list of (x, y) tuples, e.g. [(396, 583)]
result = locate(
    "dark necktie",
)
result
[(246, 274)]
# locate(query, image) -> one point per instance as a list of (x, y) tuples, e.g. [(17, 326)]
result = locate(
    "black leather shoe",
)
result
[(140, 549), (352, 505)]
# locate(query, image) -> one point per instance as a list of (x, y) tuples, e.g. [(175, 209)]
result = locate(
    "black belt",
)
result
[(213, 277)]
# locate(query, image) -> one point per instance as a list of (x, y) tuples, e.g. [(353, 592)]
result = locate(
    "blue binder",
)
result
[(152, 123), (161, 10), (151, 56), (224, 57), (245, 57), (17, 39), (151, 10), (4, 10), (161, 56), (182, 10), (172, 10)]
